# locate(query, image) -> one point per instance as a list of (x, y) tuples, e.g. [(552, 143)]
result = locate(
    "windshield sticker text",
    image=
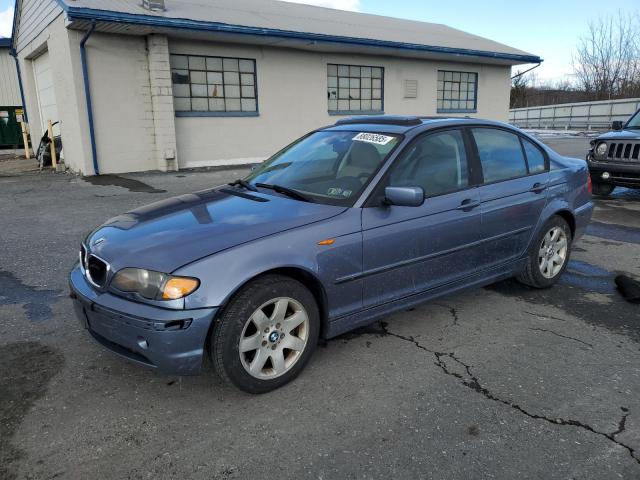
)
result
[(372, 138)]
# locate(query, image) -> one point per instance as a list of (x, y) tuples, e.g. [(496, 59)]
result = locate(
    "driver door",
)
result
[(408, 250)]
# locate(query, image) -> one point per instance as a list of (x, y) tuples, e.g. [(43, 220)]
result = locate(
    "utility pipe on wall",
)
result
[(87, 94), (14, 54)]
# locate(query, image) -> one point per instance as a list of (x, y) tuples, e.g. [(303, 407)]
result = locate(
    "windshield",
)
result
[(635, 121), (327, 167)]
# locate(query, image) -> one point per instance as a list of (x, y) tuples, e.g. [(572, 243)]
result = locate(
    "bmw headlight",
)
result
[(601, 149), (154, 285)]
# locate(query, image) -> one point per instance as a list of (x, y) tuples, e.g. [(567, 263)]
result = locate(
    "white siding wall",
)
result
[(35, 16), (9, 89), (62, 46), (292, 91)]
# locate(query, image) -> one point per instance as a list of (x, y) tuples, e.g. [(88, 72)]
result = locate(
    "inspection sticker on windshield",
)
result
[(372, 138)]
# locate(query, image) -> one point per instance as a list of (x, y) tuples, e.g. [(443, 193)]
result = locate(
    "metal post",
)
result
[(25, 140), (54, 156)]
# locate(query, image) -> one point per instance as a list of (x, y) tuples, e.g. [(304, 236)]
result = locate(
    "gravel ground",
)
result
[(502, 382)]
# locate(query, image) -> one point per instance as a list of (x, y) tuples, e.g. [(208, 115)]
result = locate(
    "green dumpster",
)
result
[(10, 133)]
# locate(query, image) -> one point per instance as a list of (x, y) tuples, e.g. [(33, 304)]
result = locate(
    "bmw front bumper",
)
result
[(172, 341)]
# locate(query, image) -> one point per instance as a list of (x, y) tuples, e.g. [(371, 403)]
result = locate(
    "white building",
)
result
[(9, 90), (176, 84)]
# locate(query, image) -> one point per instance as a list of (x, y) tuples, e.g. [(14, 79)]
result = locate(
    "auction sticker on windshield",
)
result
[(372, 138)]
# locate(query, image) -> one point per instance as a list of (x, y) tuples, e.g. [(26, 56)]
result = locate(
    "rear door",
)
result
[(513, 192), (408, 250)]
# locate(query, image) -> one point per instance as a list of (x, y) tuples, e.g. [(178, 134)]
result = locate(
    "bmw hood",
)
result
[(169, 234)]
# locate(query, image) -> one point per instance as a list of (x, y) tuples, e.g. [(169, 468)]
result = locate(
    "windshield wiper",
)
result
[(243, 183), (289, 192)]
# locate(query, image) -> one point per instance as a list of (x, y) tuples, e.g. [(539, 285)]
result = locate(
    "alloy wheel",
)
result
[(553, 252), (274, 338)]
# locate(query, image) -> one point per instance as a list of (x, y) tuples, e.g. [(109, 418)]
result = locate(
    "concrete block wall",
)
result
[(162, 109)]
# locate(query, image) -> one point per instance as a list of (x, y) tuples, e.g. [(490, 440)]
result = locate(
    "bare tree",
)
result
[(522, 83), (607, 60)]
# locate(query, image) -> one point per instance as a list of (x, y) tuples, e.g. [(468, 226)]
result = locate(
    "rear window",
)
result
[(500, 154), (535, 158)]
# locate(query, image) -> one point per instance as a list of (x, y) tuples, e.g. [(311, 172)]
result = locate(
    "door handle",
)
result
[(538, 188), (468, 205)]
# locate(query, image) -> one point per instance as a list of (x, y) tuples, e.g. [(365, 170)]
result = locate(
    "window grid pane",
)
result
[(355, 88), (214, 84), (456, 91)]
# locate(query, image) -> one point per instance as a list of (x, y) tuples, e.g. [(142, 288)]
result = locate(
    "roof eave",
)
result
[(76, 13)]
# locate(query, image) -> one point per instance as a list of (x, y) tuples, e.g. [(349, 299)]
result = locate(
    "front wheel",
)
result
[(548, 255), (602, 189), (266, 334)]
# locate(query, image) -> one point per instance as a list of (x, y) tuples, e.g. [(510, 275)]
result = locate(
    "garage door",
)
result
[(45, 92)]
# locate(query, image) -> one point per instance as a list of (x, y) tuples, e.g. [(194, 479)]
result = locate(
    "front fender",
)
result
[(223, 273)]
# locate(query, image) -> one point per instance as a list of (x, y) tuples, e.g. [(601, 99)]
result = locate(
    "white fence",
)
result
[(575, 116)]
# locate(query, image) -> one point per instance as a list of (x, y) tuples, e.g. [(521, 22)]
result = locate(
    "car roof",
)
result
[(401, 124)]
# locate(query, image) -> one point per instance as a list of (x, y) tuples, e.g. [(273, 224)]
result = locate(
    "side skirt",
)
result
[(365, 317)]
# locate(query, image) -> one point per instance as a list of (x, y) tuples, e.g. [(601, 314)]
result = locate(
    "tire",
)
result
[(602, 189), (538, 274), (274, 303)]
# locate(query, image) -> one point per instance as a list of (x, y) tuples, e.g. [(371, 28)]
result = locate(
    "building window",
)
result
[(214, 85), (457, 92), (355, 89)]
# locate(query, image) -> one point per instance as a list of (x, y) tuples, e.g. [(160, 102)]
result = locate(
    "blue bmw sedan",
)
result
[(348, 224)]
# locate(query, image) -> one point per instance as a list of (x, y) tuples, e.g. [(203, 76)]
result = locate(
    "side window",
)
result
[(500, 154), (535, 158), (216, 85), (437, 162)]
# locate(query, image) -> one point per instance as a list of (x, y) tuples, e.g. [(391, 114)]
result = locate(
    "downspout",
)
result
[(519, 74), (14, 54), (87, 94)]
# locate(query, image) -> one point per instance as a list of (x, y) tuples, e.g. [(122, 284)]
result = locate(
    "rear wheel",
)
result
[(266, 334), (548, 255), (602, 189)]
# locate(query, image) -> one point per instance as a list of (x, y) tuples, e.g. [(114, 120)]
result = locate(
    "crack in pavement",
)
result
[(452, 311), (545, 317), (622, 424), (474, 384), (562, 336)]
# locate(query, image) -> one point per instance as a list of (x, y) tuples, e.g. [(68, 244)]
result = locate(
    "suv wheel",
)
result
[(266, 334), (602, 189), (548, 255)]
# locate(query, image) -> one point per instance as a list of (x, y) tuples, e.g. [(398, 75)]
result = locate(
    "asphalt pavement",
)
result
[(502, 382)]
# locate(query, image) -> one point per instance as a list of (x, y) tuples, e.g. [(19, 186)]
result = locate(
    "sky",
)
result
[(548, 28)]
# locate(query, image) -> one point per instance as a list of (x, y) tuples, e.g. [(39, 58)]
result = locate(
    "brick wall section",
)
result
[(162, 102)]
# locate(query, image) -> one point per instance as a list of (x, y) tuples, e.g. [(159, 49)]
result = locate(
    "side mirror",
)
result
[(617, 125), (404, 196)]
